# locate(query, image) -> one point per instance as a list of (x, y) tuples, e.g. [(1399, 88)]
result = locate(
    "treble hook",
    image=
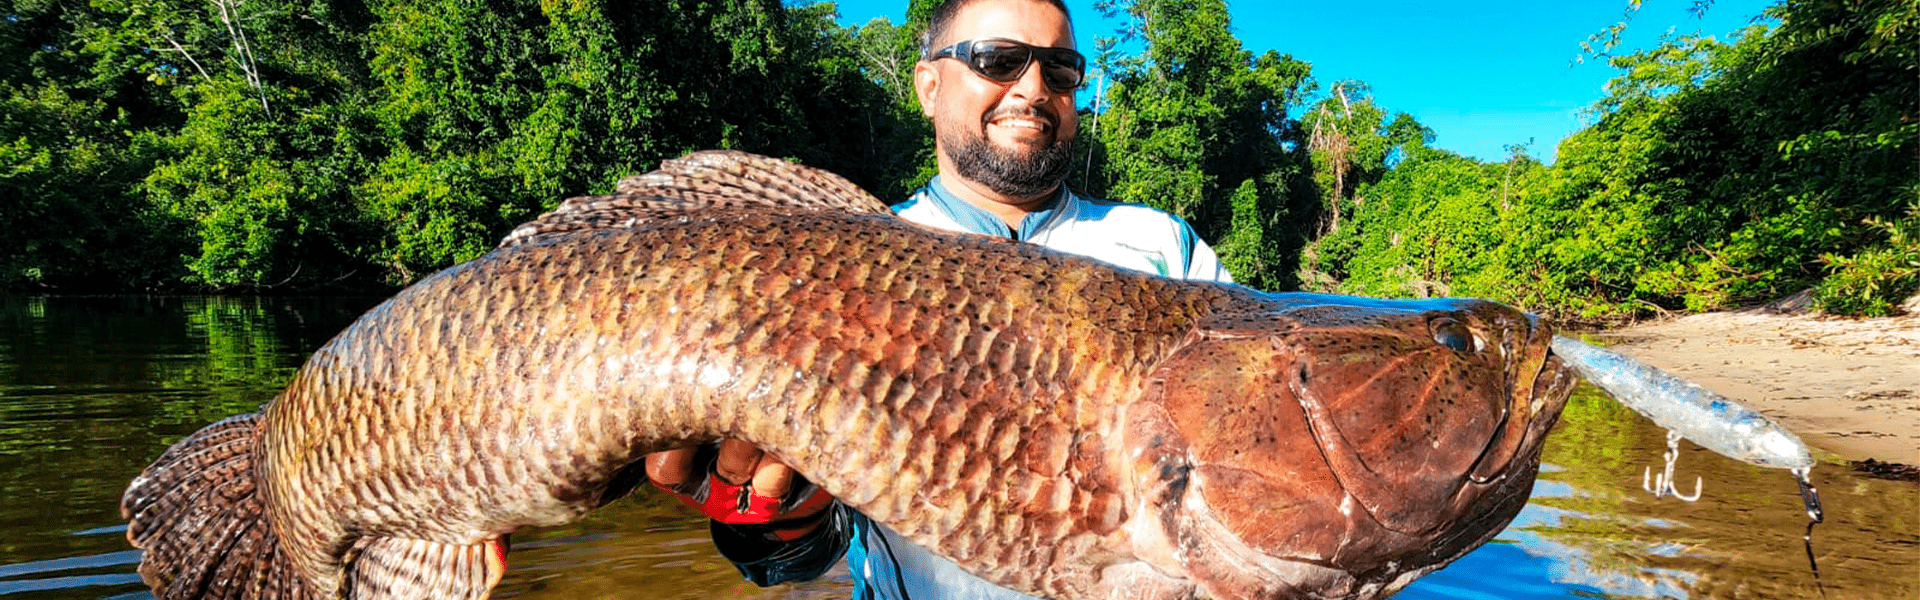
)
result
[(1662, 484)]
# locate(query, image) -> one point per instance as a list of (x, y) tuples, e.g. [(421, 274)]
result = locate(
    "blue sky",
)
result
[(1482, 75)]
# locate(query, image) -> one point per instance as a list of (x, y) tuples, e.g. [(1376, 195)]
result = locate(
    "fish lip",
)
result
[(1546, 389), (1552, 385)]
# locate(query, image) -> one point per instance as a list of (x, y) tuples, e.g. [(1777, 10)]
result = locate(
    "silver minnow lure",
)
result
[(1709, 419)]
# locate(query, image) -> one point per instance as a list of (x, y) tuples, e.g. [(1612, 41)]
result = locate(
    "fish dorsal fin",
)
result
[(752, 179), (705, 180)]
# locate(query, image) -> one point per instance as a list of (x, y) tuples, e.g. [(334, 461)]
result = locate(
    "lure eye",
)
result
[(1453, 334)]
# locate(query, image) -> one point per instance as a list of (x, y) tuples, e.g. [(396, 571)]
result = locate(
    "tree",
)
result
[(497, 111), (1763, 154), (297, 145), (76, 98), (275, 133), (1352, 144), (1718, 173), (1200, 127)]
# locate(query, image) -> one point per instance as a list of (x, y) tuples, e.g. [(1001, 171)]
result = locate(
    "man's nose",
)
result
[(1032, 84)]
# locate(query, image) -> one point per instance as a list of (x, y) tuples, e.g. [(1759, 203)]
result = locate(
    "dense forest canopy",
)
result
[(270, 146)]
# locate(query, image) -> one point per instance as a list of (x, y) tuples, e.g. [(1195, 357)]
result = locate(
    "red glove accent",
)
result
[(737, 505)]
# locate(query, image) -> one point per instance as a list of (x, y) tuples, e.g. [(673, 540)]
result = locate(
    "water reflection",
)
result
[(92, 389)]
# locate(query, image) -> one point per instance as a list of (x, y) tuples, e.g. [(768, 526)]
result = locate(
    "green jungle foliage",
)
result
[(1875, 280), (1200, 127), (1717, 174), (310, 145), (322, 145)]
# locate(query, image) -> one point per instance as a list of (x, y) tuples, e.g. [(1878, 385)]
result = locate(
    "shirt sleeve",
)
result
[(1202, 263), (766, 563)]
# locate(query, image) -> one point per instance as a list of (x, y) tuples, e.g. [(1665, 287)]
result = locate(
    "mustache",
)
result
[(1043, 113)]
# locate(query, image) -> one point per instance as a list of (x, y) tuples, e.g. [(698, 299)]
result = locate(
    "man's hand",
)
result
[(744, 489)]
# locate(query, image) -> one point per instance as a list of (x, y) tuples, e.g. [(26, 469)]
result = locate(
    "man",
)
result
[(998, 79)]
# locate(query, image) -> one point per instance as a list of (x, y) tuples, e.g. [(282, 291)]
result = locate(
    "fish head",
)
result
[(1329, 446)]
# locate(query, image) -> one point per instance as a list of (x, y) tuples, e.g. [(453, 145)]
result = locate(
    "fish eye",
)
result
[(1453, 334)]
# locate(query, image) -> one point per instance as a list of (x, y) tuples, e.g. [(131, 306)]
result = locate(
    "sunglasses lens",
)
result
[(1062, 69), (999, 61)]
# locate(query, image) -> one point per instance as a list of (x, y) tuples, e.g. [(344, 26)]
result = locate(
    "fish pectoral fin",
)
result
[(392, 568)]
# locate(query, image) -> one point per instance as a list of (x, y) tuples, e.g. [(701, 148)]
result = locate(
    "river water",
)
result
[(92, 389)]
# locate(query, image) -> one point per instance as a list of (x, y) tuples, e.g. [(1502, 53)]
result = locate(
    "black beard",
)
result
[(1012, 172)]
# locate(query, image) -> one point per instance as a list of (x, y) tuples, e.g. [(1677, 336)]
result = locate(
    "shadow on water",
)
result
[(92, 389)]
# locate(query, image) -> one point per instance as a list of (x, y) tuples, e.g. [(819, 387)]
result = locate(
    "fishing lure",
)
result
[(1696, 413)]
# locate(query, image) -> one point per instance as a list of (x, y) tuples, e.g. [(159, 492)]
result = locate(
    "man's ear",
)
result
[(926, 85)]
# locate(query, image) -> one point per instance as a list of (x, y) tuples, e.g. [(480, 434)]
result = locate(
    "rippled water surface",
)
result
[(92, 389)]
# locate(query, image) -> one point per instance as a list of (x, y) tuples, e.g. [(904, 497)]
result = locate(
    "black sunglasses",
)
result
[(1006, 60)]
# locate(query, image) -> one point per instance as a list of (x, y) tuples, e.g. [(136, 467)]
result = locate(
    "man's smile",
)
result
[(1021, 125), (1020, 122)]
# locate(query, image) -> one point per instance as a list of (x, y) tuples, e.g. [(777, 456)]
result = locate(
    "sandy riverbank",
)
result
[(1847, 386)]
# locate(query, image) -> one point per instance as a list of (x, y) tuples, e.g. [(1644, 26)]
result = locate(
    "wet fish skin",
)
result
[(1406, 479), (1051, 423)]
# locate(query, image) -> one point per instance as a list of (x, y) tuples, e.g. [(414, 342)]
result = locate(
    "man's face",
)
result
[(1014, 138)]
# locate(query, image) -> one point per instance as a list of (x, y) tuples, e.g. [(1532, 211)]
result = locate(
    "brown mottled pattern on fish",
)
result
[(1051, 423)]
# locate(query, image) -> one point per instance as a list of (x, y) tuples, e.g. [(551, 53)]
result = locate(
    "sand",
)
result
[(1850, 387)]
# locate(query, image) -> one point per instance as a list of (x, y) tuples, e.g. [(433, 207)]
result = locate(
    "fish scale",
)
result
[(1054, 424), (500, 383)]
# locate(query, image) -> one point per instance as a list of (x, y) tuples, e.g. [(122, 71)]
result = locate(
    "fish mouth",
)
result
[(1538, 399)]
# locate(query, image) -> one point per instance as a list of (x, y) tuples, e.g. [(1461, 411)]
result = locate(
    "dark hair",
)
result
[(943, 17)]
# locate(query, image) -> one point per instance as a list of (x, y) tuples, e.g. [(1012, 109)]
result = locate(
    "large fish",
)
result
[(1053, 424)]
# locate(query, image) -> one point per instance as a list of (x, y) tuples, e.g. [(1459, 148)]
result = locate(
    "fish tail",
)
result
[(199, 519)]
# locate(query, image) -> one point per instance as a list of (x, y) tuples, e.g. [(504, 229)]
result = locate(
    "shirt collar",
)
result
[(978, 220)]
